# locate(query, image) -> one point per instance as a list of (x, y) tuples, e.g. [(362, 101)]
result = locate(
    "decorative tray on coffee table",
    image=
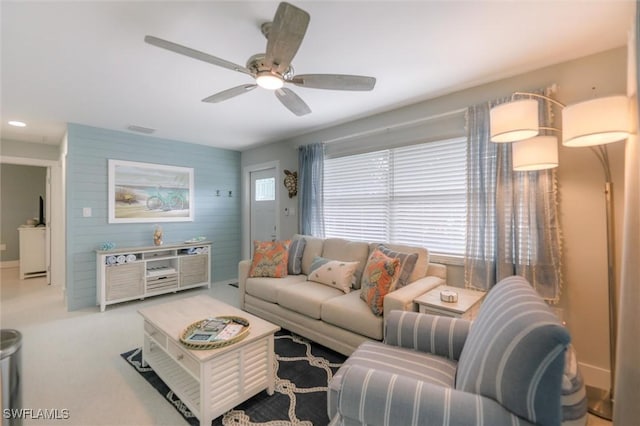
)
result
[(215, 332)]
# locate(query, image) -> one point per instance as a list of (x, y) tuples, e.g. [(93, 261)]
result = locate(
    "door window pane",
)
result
[(266, 189)]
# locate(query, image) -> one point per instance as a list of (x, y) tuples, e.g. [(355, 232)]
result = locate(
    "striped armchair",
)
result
[(505, 368)]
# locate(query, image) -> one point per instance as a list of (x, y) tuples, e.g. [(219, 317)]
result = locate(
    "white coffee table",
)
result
[(209, 382)]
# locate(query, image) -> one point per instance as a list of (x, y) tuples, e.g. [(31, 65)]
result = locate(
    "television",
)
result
[(41, 217)]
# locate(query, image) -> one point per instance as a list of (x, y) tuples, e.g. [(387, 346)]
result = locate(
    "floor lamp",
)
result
[(584, 124), (600, 400), (593, 123)]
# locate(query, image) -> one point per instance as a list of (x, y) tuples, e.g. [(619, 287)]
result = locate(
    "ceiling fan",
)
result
[(273, 69)]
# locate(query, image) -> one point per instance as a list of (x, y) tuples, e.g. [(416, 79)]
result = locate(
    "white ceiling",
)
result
[(86, 62)]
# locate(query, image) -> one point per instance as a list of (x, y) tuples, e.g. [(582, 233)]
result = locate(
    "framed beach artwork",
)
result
[(145, 192)]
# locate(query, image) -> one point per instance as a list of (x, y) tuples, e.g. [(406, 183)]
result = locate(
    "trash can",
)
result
[(10, 376)]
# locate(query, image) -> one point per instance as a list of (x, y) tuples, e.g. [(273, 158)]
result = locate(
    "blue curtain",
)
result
[(512, 217), (310, 181)]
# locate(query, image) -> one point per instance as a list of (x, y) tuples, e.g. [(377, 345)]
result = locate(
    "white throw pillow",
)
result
[(334, 273)]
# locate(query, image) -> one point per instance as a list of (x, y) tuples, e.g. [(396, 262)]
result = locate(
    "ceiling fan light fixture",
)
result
[(269, 81), (273, 68)]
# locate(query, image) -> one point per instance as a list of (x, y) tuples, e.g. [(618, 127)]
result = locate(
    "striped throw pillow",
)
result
[(296, 250), (407, 265)]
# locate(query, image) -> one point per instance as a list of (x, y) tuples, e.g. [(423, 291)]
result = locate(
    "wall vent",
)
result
[(140, 129)]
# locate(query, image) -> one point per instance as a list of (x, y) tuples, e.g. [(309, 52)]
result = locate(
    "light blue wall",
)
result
[(217, 218)]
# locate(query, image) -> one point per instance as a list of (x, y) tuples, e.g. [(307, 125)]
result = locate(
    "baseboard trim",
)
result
[(595, 376), (225, 282), (9, 264)]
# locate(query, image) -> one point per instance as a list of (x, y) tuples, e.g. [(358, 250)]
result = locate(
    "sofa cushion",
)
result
[(420, 269), (334, 273), (402, 361), (514, 353), (296, 250), (407, 264), (349, 251), (351, 313), (267, 288), (313, 248), (270, 259), (378, 278), (306, 298)]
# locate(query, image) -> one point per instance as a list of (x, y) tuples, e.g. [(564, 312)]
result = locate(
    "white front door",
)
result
[(263, 222)]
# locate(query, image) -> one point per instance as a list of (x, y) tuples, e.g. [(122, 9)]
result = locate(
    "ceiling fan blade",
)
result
[(196, 54), (334, 81), (230, 93), (293, 102), (285, 36)]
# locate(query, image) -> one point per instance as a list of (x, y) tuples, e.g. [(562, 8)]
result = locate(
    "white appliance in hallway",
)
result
[(33, 251)]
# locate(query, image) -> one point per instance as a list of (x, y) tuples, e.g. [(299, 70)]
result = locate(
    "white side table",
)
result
[(466, 307)]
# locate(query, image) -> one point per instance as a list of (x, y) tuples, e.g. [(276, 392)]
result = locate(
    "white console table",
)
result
[(138, 272)]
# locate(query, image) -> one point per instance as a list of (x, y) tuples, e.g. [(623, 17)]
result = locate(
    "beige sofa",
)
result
[(327, 315)]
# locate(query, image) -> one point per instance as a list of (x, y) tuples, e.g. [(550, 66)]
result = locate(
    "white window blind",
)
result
[(410, 195), (356, 196)]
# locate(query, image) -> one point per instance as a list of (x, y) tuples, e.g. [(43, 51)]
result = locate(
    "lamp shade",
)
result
[(514, 121), (596, 121), (537, 153)]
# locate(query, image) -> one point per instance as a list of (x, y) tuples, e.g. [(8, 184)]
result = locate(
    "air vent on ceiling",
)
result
[(140, 129)]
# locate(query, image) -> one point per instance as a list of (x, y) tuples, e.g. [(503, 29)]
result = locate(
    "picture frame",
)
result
[(148, 192)]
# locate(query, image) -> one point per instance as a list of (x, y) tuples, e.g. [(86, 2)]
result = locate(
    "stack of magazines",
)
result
[(216, 330)]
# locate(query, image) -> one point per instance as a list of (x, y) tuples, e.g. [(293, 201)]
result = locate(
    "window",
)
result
[(411, 195), (266, 189)]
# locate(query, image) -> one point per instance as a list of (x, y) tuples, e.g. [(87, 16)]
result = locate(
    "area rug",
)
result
[(303, 369)]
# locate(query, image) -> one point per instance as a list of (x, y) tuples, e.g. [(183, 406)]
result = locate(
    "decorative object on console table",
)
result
[(151, 270), (466, 305), (157, 236)]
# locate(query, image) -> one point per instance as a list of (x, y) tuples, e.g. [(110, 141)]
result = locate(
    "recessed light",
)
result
[(17, 123)]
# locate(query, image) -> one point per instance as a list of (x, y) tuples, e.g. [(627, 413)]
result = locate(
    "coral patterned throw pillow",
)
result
[(380, 275), (270, 259)]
